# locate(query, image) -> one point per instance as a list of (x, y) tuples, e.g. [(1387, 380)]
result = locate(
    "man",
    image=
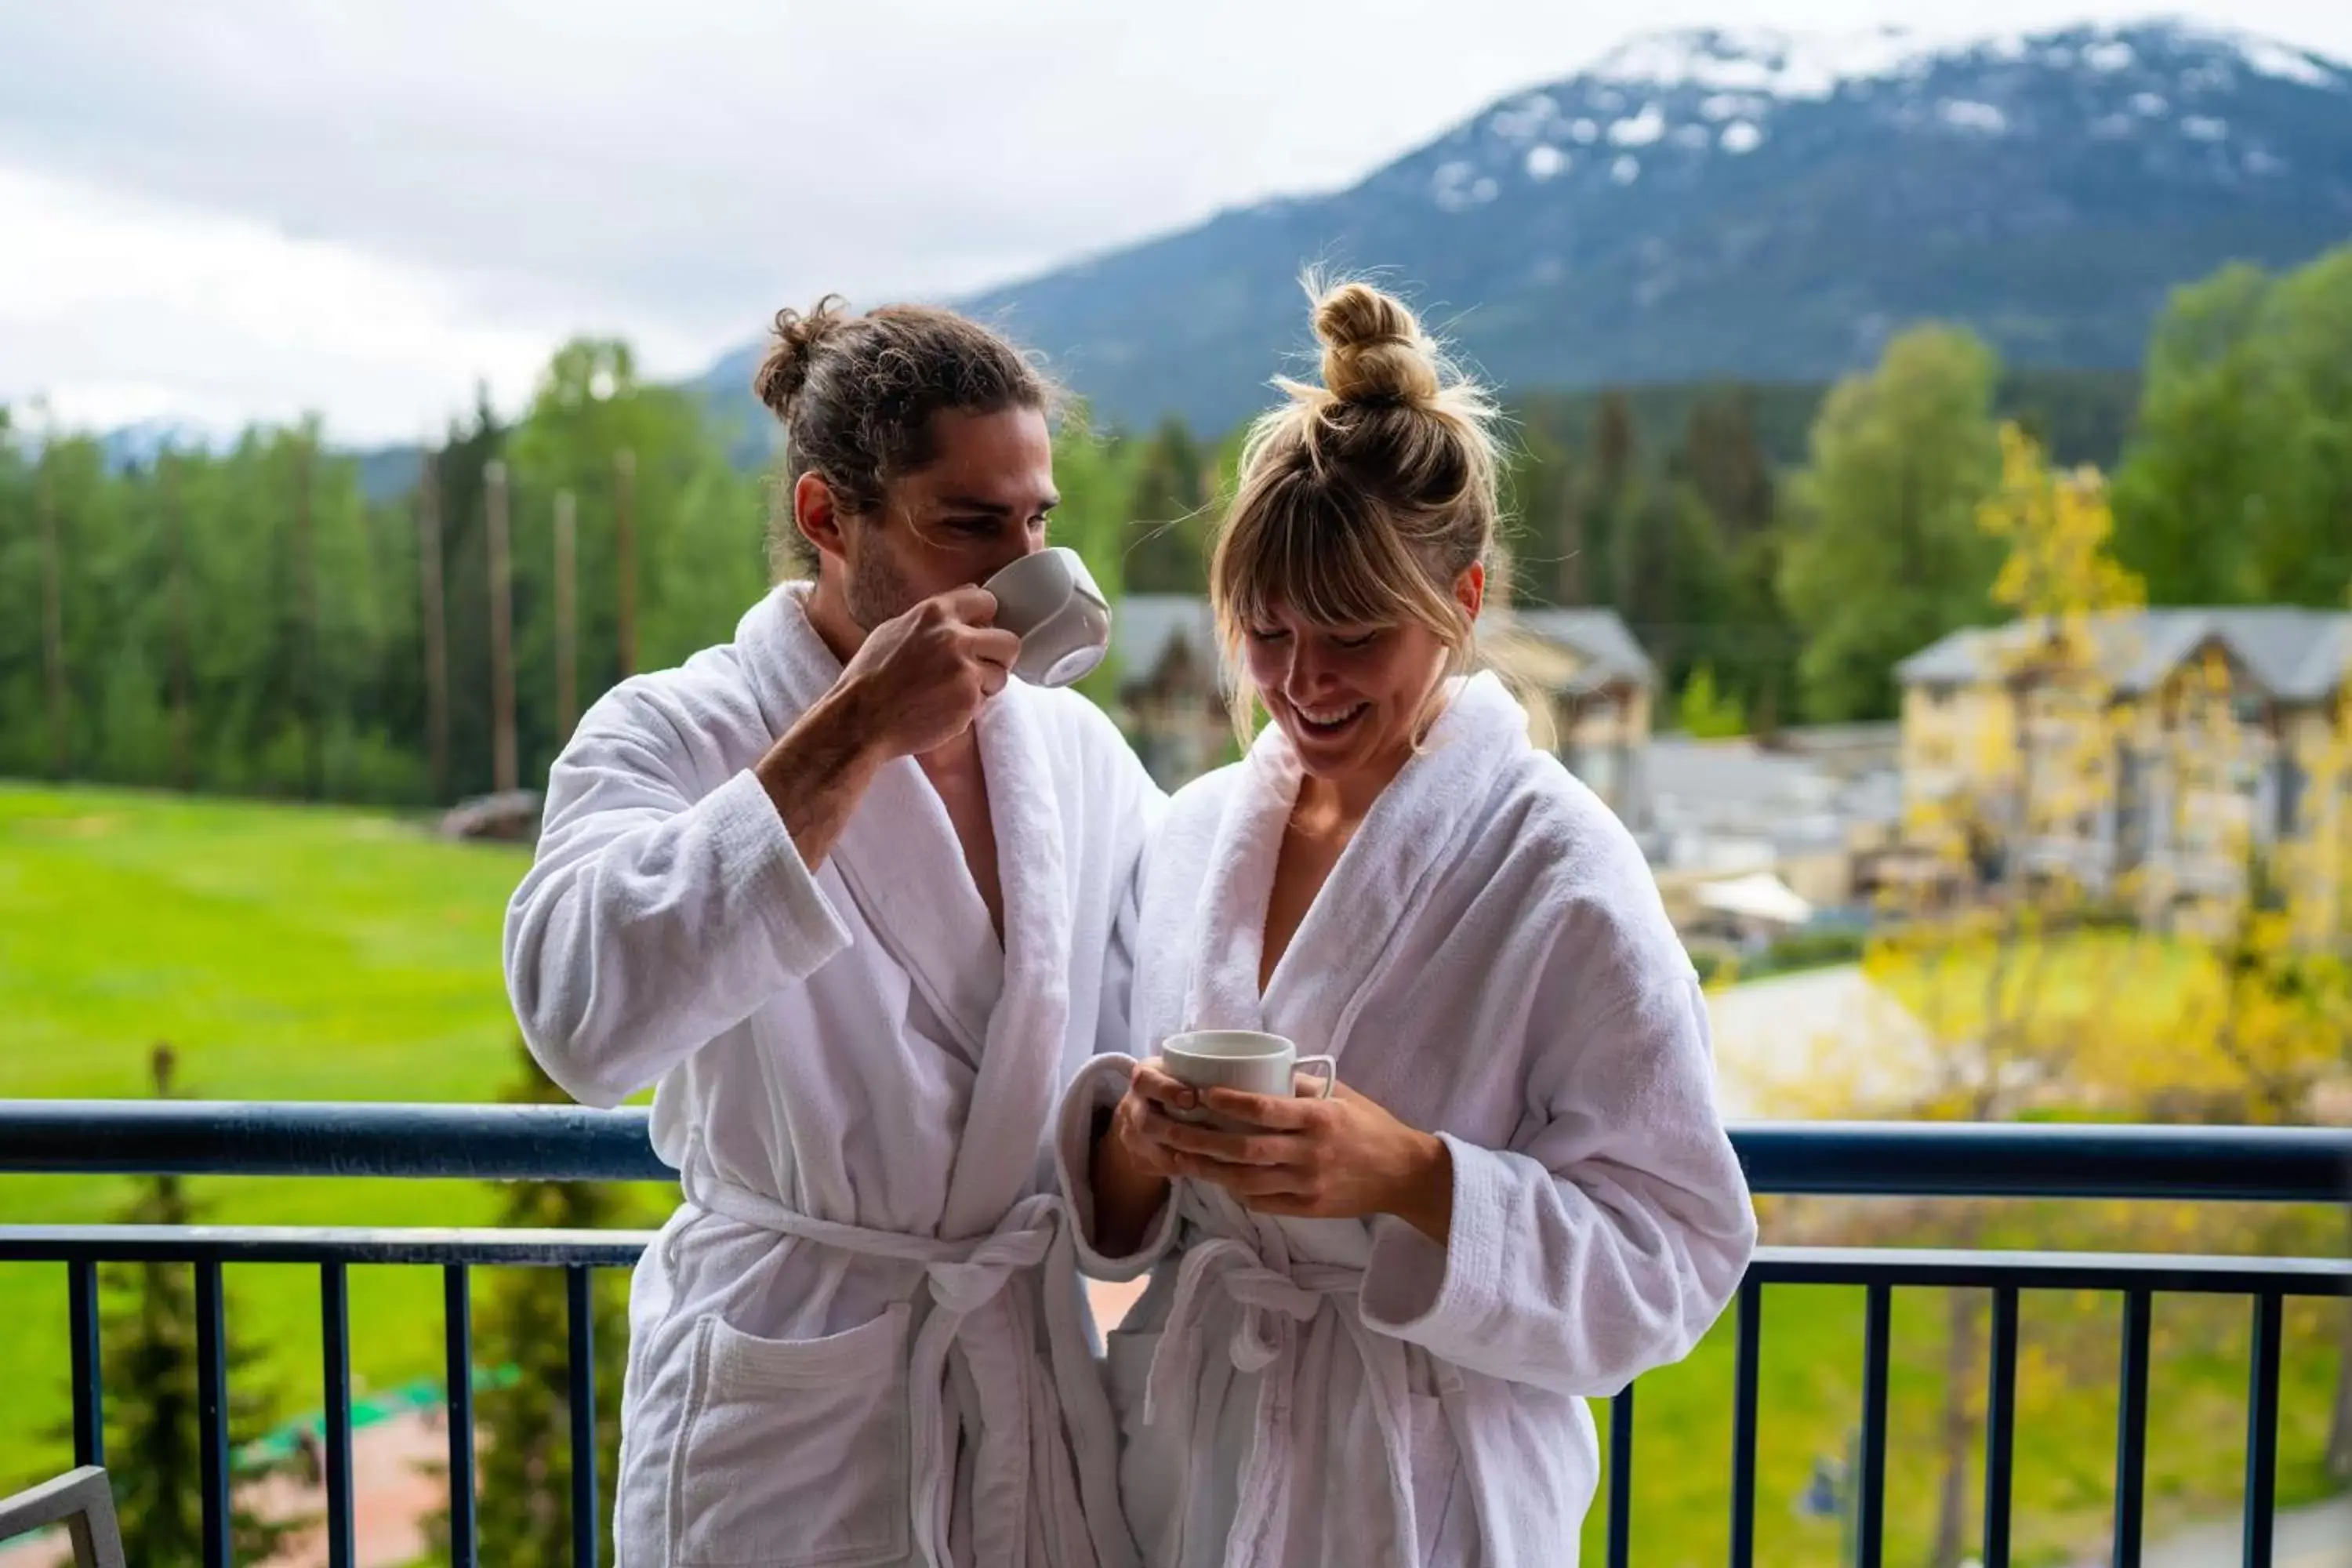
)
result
[(847, 897)]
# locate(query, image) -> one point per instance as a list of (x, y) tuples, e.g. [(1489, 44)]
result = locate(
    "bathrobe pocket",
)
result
[(794, 1452)]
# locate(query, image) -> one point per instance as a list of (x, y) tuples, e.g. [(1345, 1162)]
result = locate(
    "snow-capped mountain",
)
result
[(1755, 203)]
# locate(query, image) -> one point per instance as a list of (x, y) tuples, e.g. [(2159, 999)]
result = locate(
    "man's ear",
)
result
[(815, 514)]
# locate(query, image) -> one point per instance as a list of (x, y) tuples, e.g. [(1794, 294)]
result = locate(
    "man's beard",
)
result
[(875, 592)]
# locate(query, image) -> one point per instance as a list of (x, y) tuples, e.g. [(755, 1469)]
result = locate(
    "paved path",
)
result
[(2317, 1536), (392, 1495), (1826, 1043)]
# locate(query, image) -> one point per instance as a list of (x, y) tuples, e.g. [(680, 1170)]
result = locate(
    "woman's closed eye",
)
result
[(1350, 640)]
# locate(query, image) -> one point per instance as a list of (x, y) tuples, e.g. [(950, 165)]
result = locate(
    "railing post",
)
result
[(583, 1417), (2131, 1430), (1621, 1479), (1870, 1476), (88, 1378), (2261, 1430), (458, 1325), (212, 1412), (1743, 1424), (335, 1339), (2000, 1425)]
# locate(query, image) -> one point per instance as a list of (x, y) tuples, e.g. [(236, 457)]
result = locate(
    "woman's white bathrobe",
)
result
[(1490, 962), (859, 1341)]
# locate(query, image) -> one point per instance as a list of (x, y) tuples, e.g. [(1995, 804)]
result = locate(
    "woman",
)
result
[(1371, 1326)]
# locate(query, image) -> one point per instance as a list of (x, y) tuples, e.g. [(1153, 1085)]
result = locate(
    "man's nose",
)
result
[(1020, 548)]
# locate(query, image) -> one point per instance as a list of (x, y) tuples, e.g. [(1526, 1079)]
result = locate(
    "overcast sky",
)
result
[(221, 212)]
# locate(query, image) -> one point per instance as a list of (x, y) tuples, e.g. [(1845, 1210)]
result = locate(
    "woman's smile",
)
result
[(1331, 720)]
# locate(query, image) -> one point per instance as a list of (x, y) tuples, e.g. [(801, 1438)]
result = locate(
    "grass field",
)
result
[(285, 953), (2131, 983), (295, 954)]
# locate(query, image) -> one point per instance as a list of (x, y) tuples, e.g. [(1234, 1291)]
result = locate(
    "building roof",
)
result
[(2297, 655), (1605, 641), (1535, 663), (1710, 773), (1143, 626)]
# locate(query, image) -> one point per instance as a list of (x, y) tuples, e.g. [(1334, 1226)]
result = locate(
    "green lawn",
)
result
[(293, 953), (285, 953), (2129, 982)]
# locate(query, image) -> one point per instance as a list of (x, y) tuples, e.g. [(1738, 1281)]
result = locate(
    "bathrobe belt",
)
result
[(1007, 1399)]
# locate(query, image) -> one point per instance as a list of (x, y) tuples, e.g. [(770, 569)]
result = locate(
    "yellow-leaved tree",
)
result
[(2127, 899)]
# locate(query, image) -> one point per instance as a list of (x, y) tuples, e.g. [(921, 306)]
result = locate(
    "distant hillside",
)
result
[(1754, 205), (1746, 204)]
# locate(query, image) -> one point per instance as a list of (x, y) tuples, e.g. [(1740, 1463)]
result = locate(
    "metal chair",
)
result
[(79, 1499)]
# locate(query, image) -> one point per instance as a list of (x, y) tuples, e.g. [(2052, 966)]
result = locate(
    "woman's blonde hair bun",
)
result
[(1374, 351)]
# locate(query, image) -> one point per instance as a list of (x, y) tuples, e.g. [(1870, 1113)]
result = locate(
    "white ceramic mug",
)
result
[(1048, 599), (1245, 1059)]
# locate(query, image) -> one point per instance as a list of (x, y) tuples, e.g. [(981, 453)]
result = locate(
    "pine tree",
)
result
[(148, 1348), (1725, 460), (1736, 621), (522, 1423), (1168, 530), (461, 464), (1606, 521)]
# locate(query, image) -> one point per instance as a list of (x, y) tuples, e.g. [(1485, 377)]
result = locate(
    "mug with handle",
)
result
[(1250, 1061), (1048, 599)]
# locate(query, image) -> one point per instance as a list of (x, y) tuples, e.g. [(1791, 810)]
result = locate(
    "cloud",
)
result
[(474, 181), (118, 309)]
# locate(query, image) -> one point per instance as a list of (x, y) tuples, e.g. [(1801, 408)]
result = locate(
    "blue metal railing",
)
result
[(2176, 1164), (550, 1143)]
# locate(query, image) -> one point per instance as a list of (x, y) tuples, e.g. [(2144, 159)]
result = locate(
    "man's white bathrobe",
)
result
[(1490, 962), (860, 1339)]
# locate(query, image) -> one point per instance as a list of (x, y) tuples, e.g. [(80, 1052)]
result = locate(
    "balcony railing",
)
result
[(515, 1142)]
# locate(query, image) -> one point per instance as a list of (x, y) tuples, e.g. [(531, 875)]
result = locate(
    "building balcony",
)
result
[(331, 1143)]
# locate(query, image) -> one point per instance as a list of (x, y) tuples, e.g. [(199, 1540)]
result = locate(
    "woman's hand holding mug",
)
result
[(1323, 1152)]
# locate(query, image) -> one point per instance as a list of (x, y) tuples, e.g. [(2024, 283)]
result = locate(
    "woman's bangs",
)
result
[(1319, 564)]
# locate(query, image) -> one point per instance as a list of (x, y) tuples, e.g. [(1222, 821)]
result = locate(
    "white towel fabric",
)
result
[(1488, 960), (851, 1345)]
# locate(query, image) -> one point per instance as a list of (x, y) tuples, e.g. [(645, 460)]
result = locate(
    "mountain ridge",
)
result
[(1733, 204), (1746, 204)]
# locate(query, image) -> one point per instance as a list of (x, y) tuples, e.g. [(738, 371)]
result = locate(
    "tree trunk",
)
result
[(625, 556), (182, 679), (306, 567), (1959, 1426), (1628, 547), (1764, 724), (53, 626), (567, 618), (506, 769), (437, 624), (1575, 533)]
